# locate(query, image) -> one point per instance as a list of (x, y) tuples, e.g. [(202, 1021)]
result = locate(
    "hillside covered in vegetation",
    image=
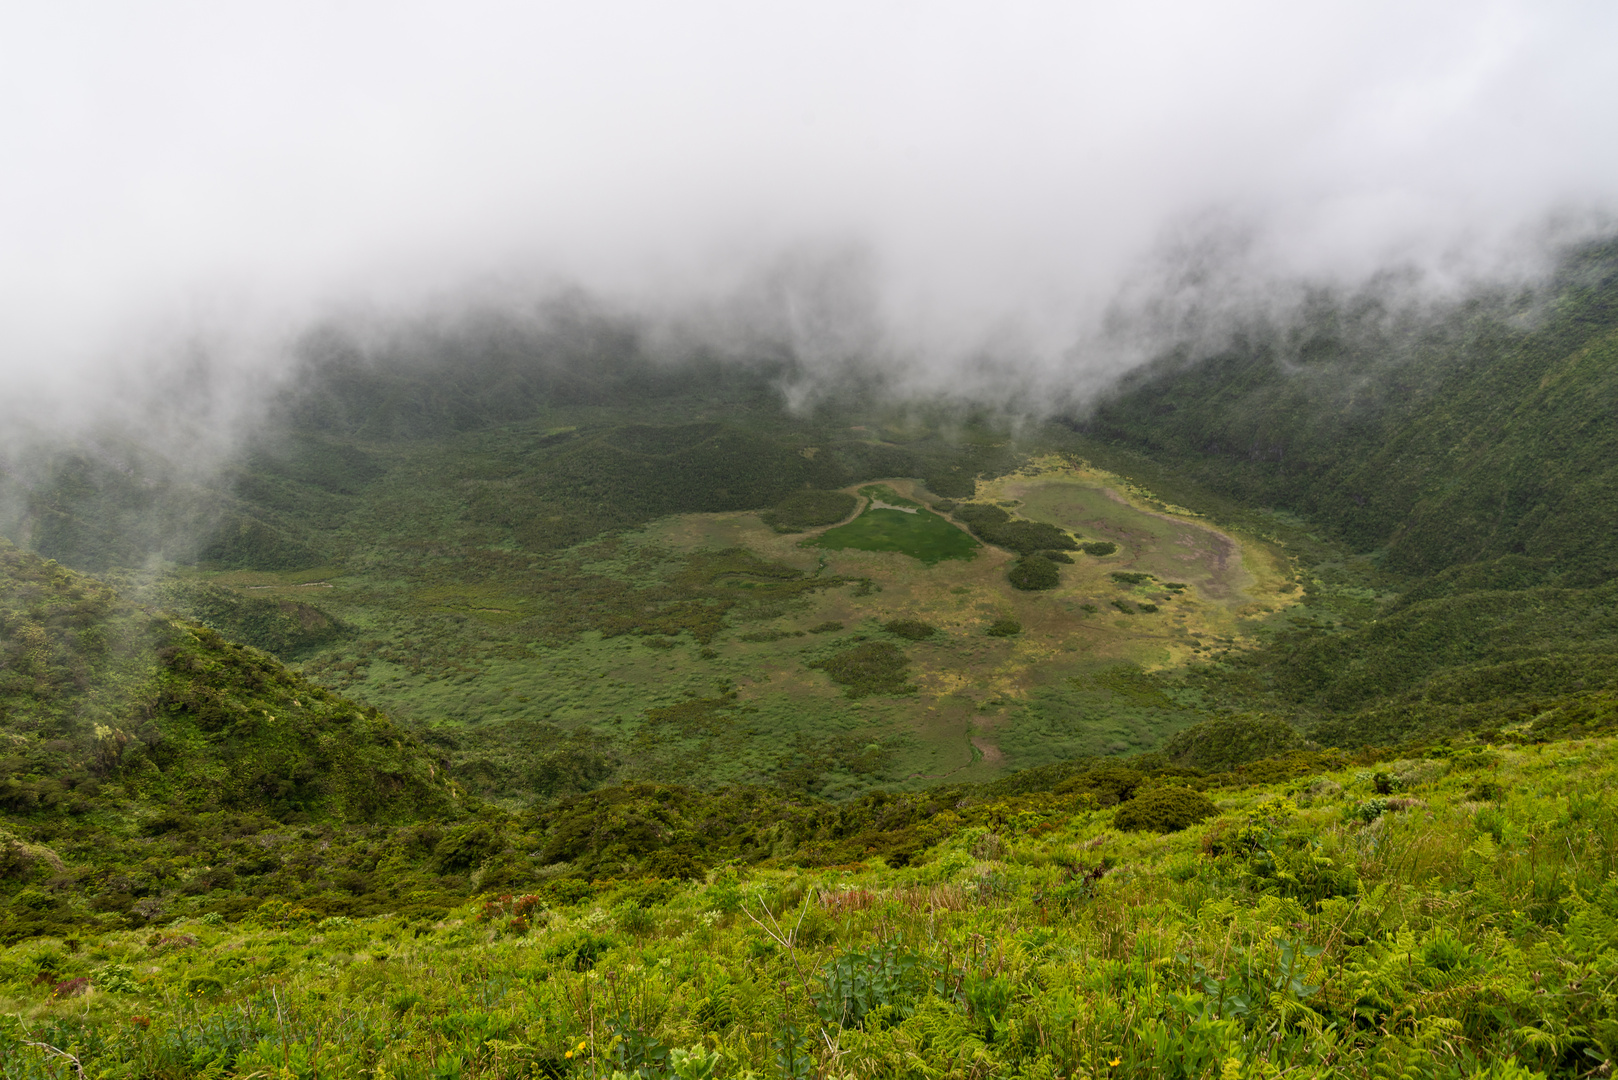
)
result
[(590, 714)]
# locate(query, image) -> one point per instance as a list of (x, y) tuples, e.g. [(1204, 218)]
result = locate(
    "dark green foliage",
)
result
[(1475, 432), (875, 667), (1004, 628), (1123, 606), (1147, 608), (952, 485), (286, 628), (830, 626), (1164, 809), (1457, 648), (1126, 578), (246, 542), (1224, 743), (1034, 572), (1057, 557), (910, 629), (994, 526), (807, 509), (1099, 547)]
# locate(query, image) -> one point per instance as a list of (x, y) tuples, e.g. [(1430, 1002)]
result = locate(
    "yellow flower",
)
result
[(1115, 1061), (581, 1046), (568, 1054)]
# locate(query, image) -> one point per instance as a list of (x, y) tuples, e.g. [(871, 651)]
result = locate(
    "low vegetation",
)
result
[(875, 667), (1301, 921), (920, 534)]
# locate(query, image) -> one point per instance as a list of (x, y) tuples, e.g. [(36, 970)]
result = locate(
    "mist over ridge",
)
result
[(1016, 206)]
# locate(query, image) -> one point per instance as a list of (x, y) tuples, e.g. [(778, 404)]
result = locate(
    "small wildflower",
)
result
[(568, 1054), (1115, 1061)]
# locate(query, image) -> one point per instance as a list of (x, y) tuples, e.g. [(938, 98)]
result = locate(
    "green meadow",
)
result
[(903, 526)]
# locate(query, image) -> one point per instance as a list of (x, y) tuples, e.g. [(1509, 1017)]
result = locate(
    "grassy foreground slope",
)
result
[(1451, 913)]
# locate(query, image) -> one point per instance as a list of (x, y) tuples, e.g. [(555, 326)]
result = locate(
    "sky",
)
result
[(945, 185)]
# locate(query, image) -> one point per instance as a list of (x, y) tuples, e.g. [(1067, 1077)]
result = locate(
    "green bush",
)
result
[(910, 629), (1057, 557), (1164, 810), (1034, 572), (1099, 547), (873, 668), (807, 509), (1125, 577), (994, 526), (1004, 628), (1223, 744)]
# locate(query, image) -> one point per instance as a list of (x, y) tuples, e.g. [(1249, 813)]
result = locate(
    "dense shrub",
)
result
[(910, 629), (1004, 628), (807, 509), (1164, 809), (994, 526), (1034, 572), (1224, 743), (286, 628), (1099, 547), (872, 668)]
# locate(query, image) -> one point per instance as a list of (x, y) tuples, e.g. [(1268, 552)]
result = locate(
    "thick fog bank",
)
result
[(976, 199)]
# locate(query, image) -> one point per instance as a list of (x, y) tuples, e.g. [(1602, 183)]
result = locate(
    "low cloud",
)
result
[(1011, 201)]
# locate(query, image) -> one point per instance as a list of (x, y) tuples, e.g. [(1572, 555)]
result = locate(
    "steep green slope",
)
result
[(1485, 431), (118, 725)]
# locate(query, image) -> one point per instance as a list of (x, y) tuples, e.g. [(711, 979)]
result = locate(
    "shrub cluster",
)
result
[(910, 629), (1164, 809), (993, 525), (875, 667), (1034, 572), (808, 509), (1224, 743)]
